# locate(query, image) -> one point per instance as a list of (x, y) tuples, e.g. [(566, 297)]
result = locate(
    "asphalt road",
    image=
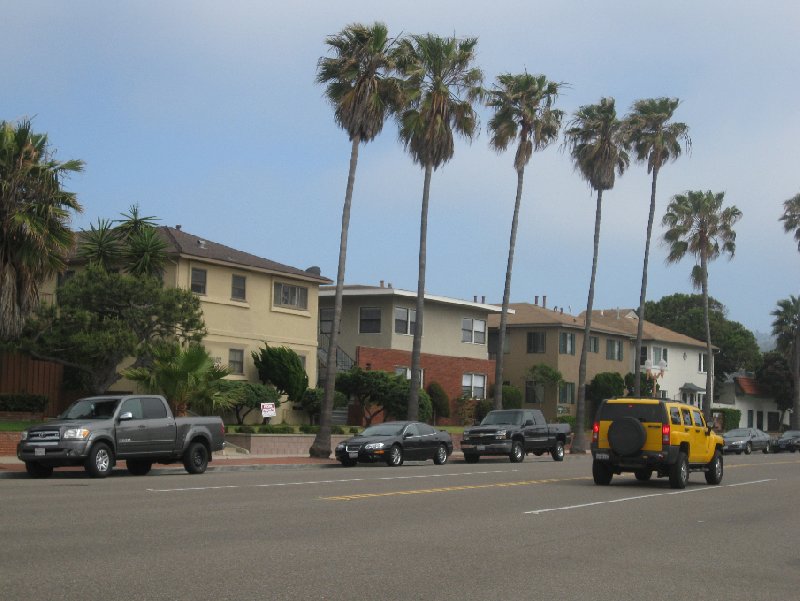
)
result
[(495, 530)]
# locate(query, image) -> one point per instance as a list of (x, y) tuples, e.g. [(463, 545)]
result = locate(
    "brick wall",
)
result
[(8, 443), (447, 371)]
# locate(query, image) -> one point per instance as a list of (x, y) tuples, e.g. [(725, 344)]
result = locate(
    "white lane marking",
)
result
[(650, 496), (328, 481)]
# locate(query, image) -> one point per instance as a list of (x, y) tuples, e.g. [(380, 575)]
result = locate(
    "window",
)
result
[(537, 342), (236, 361), (292, 297), (643, 355), (198, 281), (411, 430), (473, 330), (369, 321), (425, 430), (701, 362), (473, 386), (594, 344), (406, 373), (238, 289), (614, 350), (687, 418), (133, 406), (534, 392), (325, 321), (659, 354), (698, 418), (405, 320), (566, 343), (153, 408), (566, 393), (675, 416)]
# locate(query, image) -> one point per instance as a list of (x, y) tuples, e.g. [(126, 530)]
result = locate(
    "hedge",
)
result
[(34, 403), (730, 417)]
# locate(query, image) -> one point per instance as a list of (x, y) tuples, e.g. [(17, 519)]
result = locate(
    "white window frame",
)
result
[(234, 363), (297, 296), (702, 360), (473, 331), (410, 320), (566, 343), (468, 382)]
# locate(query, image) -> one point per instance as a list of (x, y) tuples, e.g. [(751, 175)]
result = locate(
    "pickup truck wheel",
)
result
[(37, 470), (471, 458), (138, 467), (715, 469), (395, 457), (100, 461), (195, 459), (679, 472), (441, 455), (558, 451), (601, 473), (517, 452)]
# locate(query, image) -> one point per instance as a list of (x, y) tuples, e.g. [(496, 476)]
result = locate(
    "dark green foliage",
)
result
[(337, 430), (34, 403), (232, 429), (247, 430), (567, 419), (605, 385), (381, 392), (730, 418), (439, 400), (776, 376), (354, 430), (275, 429), (312, 402), (646, 385), (512, 397), (684, 313), (104, 317), (281, 367), (245, 397), (482, 407), (395, 404), (309, 429)]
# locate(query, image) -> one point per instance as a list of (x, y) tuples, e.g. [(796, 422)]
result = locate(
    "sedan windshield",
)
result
[(791, 434), (91, 409), (383, 430), (497, 418), (737, 433)]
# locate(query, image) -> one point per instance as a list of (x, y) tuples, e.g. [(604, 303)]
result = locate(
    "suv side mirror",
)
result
[(529, 422), (125, 416)]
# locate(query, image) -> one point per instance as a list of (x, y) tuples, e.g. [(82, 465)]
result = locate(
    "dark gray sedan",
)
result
[(789, 441), (746, 440), (395, 442)]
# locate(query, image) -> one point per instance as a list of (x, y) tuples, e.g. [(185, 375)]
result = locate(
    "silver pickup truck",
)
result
[(97, 431)]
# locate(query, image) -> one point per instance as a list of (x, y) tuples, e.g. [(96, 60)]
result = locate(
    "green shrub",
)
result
[(247, 430), (337, 430), (567, 419), (439, 400), (309, 429), (512, 397), (483, 407), (35, 403), (354, 429), (232, 429), (730, 418)]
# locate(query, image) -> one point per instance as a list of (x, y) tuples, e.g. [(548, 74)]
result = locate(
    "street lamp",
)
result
[(654, 372)]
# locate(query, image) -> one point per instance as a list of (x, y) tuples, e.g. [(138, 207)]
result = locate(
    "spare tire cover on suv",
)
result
[(626, 436)]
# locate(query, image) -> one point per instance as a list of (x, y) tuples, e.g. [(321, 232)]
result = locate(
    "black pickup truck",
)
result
[(515, 433), (94, 432)]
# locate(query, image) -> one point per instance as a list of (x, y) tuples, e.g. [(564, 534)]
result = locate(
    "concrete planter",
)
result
[(279, 444)]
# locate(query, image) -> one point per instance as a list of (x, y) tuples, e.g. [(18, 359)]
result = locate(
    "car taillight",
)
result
[(595, 431), (665, 430)]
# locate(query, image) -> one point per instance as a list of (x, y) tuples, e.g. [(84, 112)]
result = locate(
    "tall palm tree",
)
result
[(655, 141), (791, 217), (786, 329), (699, 225), (595, 141), (363, 92), (35, 211), (523, 111), (442, 86)]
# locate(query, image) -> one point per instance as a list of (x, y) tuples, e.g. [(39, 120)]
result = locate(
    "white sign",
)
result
[(268, 410)]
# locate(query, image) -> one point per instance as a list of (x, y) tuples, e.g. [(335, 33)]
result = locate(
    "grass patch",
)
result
[(17, 426)]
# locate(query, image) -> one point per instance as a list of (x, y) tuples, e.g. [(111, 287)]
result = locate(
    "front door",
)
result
[(701, 443), (412, 442), (131, 433)]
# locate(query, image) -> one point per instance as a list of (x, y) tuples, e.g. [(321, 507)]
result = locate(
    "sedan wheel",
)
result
[(441, 455), (395, 458), (767, 449)]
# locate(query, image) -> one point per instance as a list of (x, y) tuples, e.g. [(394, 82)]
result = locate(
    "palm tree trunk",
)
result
[(321, 447), (710, 355), (794, 420), (416, 351), (637, 387), (579, 441), (501, 335)]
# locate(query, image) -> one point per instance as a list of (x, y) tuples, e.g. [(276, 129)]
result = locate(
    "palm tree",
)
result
[(35, 211), (523, 111), (791, 217), (699, 225), (595, 141), (786, 329), (655, 141), (101, 246), (442, 87), (363, 93)]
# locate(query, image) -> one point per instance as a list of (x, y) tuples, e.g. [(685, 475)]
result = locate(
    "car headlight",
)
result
[(374, 445), (500, 434), (340, 446), (23, 435), (77, 433)]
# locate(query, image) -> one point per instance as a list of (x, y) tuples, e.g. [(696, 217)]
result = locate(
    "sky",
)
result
[(207, 114)]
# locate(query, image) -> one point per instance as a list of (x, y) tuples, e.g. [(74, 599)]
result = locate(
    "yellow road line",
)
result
[(425, 491)]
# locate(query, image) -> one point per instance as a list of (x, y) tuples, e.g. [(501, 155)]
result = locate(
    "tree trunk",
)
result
[(579, 441), (794, 420), (501, 336), (321, 447), (637, 387), (416, 352), (709, 398)]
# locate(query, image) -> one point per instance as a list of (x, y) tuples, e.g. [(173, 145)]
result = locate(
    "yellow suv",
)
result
[(653, 435)]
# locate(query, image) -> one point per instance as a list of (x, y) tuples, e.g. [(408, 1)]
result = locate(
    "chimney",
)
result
[(544, 302), (381, 283), (201, 243), (475, 299), (178, 227), (483, 300), (389, 284), (536, 300)]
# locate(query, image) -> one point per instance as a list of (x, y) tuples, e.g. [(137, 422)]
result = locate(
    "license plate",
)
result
[(601, 456), (481, 447), (353, 454), (39, 451)]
